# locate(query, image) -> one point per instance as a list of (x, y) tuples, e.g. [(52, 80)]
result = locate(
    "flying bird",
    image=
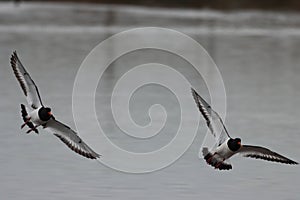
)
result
[(39, 115), (226, 146)]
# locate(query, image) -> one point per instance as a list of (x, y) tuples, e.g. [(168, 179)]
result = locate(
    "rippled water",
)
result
[(258, 57)]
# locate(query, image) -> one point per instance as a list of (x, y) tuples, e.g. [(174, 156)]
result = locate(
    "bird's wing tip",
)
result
[(14, 54), (195, 95), (13, 58), (193, 91), (294, 163)]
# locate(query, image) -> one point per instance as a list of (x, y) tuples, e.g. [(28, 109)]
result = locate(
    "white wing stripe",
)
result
[(27, 84), (70, 138), (76, 148), (264, 153), (213, 120)]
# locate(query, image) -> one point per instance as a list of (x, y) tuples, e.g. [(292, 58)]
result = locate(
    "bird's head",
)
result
[(45, 113), (234, 144)]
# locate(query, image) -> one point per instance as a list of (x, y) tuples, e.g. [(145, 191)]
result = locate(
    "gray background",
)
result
[(257, 54)]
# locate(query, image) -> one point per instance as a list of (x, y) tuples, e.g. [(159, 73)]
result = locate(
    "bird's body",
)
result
[(39, 115), (226, 146), (36, 118), (217, 157), (223, 151)]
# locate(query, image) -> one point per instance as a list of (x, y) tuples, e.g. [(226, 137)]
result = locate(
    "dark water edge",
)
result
[(278, 5)]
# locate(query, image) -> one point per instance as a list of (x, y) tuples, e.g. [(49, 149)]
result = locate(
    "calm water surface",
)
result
[(257, 54)]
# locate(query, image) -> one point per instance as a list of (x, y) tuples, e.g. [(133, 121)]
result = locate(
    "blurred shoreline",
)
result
[(35, 16), (271, 5)]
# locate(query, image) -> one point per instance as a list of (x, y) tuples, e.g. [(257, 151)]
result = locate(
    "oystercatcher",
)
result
[(40, 115), (226, 146)]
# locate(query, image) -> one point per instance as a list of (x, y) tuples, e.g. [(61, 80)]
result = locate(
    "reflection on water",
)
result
[(257, 54)]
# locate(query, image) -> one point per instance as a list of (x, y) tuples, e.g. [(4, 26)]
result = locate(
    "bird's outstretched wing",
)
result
[(213, 120), (70, 138), (265, 154), (27, 84)]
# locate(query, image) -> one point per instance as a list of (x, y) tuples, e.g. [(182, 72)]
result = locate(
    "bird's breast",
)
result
[(34, 115)]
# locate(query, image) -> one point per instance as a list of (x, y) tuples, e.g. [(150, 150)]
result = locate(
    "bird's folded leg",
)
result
[(218, 165), (28, 120), (33, 129), (209, 157)]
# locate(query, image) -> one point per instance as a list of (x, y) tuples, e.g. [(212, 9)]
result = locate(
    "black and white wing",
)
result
[(265, 154), (70, 138), (213, 120), (27, 84)]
